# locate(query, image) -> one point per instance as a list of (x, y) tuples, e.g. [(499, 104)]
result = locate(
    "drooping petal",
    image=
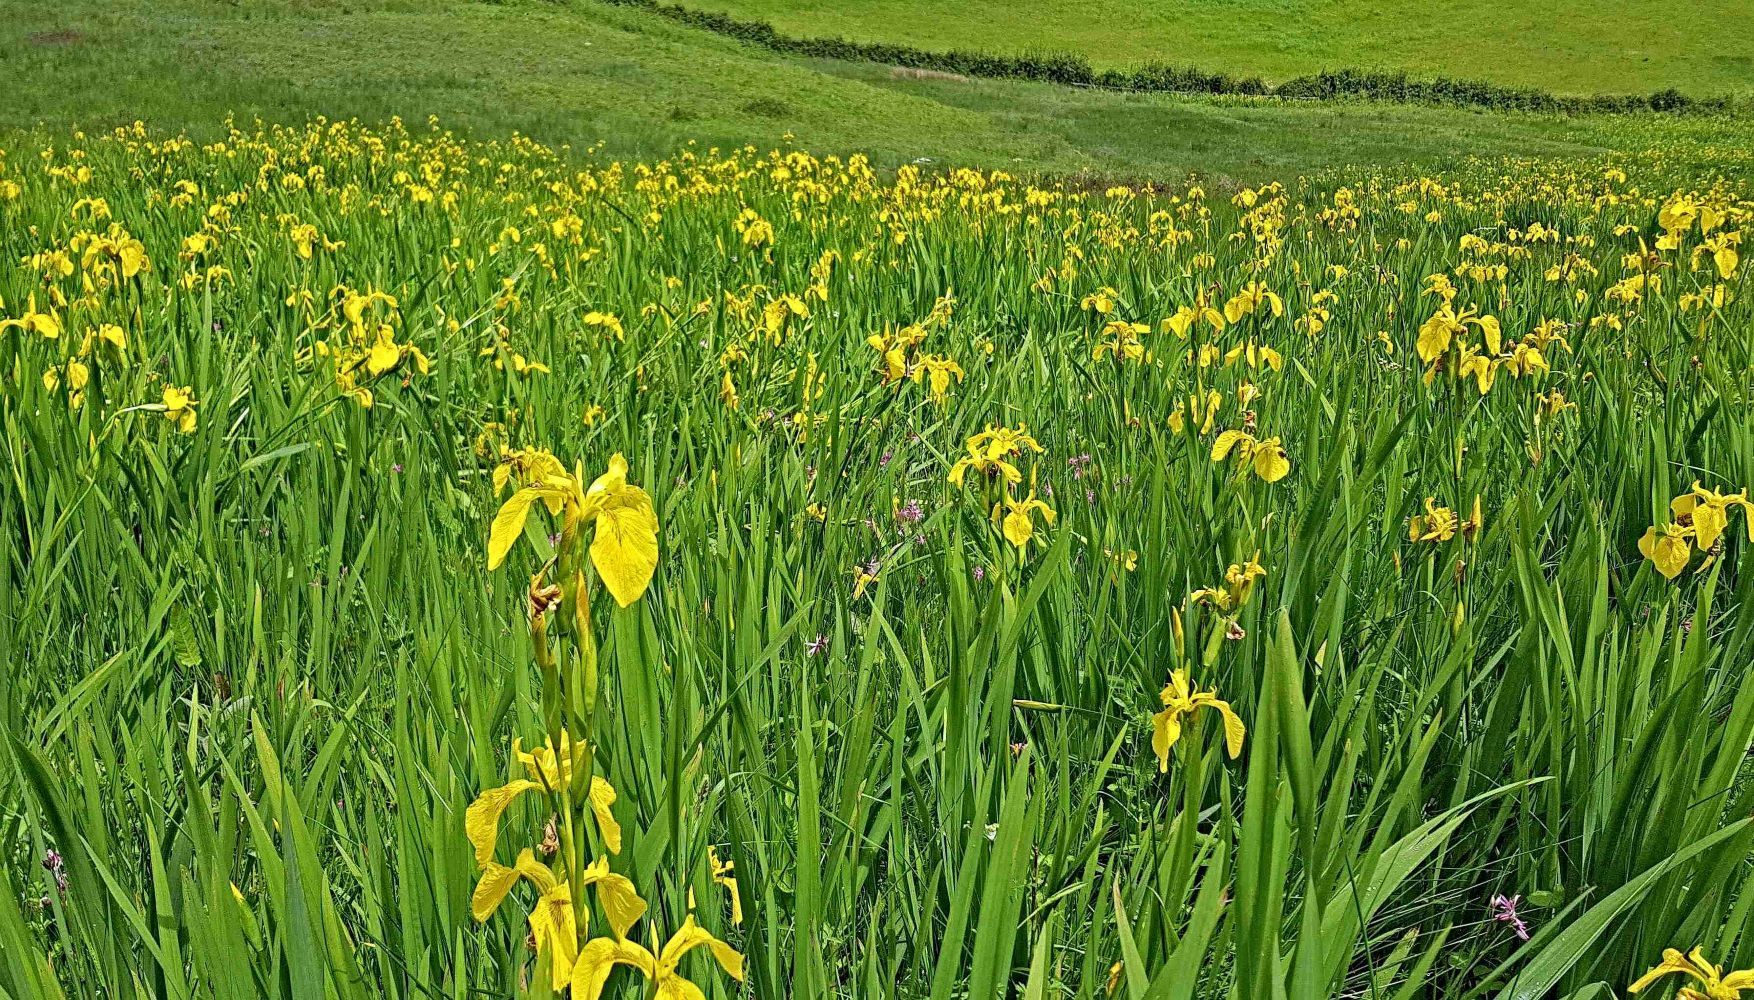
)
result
[(538, 873), (1234, 731), (384, 356), (554, 927), (1493, 334), (1673, 962), (1743, 980), (599, 957), (490, 891), (621, 901), (690, 936), (1271, 463), (1226, 441), (1709, 522), (508, 525), (481, 820), (1166, 729), (602, 798), (1434, 338), (625, 549), (1019, 529)]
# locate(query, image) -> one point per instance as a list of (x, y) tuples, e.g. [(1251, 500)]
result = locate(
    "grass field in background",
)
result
[(585, 73), (1584, 47)]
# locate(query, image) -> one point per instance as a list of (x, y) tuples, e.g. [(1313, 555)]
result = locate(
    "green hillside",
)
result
[(1587, 46), (586, 72)]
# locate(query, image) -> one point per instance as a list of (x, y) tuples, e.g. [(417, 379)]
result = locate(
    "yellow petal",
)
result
[(602, 797), (730, 885), (537, 872), (481, 821), (1226, 441), (606, 486), (508, 525), (625, 549), (1018, 528), (1166, 730), (496, 881), (1271, 463), (554, 926), (384, 356), (1434, 337), (599, 957), (1493, 333), (1673, 962), (621, 902), (1234, 731), (690, 936), (1709, 521)]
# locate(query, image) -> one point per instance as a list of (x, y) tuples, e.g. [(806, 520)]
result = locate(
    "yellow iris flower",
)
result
[(1266, 455), (44, 324), (1717, 986), (554, 921), (600, 956), (1668, 548), (548, 771), (1440, 524), (625, 547), (1239, 583), (1181, 700), (1701, 516), (1018, 526), (1252, 297), (989, 452), (724, 873), (179, 407), (1709, 513), (940, 371)]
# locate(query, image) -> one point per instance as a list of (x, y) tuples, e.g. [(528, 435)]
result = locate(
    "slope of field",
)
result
[(1590, 46), (641, 85)]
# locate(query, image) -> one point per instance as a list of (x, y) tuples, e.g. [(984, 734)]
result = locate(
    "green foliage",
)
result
[(258, 670)]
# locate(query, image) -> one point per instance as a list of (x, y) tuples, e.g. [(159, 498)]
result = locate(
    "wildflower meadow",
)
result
[(453, 567)]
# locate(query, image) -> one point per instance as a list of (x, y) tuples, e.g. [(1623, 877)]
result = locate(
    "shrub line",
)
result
[(1069, 69)]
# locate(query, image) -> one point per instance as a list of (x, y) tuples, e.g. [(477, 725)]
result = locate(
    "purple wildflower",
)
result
[(817, 645), (1504, 911), (910, 512), (56, 866)]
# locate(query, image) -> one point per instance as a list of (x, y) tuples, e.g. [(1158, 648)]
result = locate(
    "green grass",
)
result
[(586, 73), (257, 669), (1584, 47)]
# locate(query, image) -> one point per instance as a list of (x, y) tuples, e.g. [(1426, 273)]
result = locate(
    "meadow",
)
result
[(638, 86), (1584, 47), (455, 567)]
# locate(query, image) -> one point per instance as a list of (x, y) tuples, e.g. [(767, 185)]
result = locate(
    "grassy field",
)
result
[(452, 569), (1583, 47), (586, 73), (530, 499)]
